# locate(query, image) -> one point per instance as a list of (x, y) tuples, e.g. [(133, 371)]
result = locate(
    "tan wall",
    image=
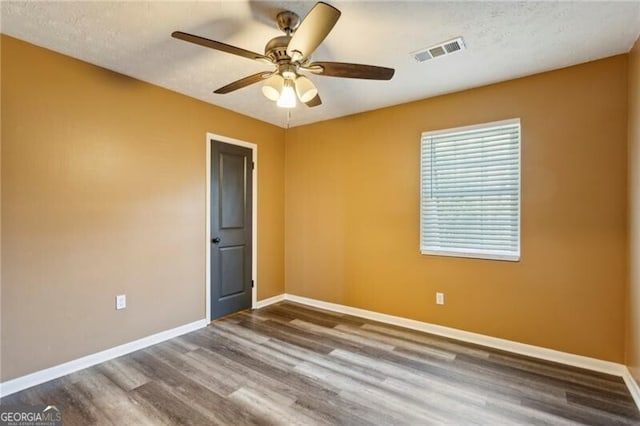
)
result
[(103, 192), (103, 187), (633, 329), (352, 206)]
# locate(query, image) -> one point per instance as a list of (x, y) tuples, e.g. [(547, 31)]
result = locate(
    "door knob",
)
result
[(215, 240)]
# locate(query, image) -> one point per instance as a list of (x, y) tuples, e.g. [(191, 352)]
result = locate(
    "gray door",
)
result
[(231, 230)]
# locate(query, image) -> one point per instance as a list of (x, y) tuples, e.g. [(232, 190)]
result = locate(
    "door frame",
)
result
[(254, 218)]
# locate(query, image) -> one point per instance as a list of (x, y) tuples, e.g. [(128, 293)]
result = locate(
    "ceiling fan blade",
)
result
[(314, 102), (312, 30), (243, 82), (218, 46), (346, 70)]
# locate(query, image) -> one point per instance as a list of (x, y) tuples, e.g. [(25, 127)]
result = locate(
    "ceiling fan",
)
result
[(291, 56)]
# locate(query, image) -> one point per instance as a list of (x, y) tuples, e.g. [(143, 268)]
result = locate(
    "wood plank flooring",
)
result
[(290, 364)]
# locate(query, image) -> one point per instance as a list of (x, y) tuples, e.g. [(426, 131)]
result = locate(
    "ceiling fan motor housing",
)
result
[(276, 49)]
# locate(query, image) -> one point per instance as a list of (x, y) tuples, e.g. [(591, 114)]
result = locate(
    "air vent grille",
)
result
[(454, 46), (437, 51), (442, 49)]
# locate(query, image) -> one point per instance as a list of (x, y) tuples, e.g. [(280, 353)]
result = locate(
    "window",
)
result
[(470, 191)]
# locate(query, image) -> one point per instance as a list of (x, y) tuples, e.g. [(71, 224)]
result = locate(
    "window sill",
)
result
[(473, 255)]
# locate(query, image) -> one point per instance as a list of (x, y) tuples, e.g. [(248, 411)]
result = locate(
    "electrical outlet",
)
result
[(121, 301), (440, 298)]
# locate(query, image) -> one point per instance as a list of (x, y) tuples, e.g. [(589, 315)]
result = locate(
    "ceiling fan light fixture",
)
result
[(288, 96), (289, 74), (305, 89), (272, 87)]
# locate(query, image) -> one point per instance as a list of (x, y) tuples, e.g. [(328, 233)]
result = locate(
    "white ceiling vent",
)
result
[(442, 49)]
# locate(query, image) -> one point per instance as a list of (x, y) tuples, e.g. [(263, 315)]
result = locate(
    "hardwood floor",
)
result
[(290, 364)]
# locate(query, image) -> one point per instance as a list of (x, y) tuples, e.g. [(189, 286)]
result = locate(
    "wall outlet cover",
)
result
[(121, 301)]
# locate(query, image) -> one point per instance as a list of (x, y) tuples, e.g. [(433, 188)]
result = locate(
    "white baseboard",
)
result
[(633, 386), (269, 301), (20, 383)]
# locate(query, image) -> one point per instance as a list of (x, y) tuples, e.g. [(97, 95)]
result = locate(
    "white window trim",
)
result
[(476, 254)]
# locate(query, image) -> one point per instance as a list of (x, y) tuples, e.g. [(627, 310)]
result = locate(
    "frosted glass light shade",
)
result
[(273, 86), (305, 89), (287, 96)]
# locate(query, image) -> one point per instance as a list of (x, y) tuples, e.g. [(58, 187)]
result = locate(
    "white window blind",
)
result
[(470, 191)]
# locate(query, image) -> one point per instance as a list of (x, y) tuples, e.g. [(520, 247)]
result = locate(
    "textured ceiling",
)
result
[(504, 40)]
